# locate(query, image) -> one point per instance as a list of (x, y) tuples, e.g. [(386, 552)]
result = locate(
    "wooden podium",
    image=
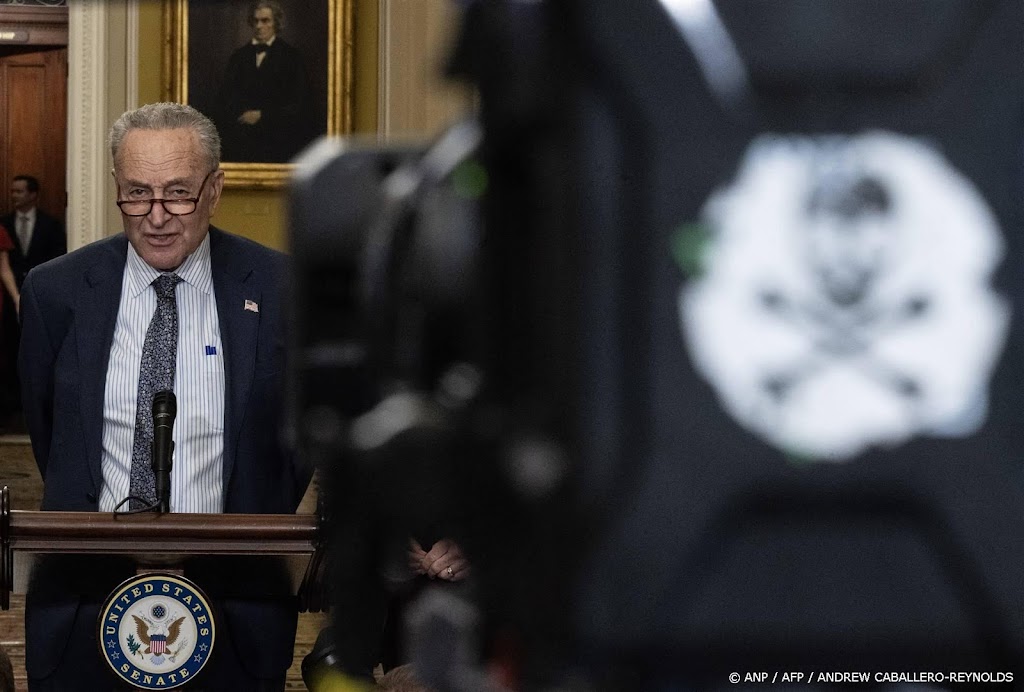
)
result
[(160, 543)]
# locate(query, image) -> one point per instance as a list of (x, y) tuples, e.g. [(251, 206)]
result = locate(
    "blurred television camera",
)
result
[(701, 341)]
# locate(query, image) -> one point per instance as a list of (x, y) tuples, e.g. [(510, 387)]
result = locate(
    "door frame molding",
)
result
[(102, 83)]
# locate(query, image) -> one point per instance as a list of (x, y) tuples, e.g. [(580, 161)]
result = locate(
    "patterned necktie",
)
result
[(159, 352)]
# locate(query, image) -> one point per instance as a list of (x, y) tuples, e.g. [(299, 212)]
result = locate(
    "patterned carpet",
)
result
[(18, 471)]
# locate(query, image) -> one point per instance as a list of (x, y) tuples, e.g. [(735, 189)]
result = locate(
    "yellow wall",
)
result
[(262, 214), (417, 100), (365, 60), (151, 37)]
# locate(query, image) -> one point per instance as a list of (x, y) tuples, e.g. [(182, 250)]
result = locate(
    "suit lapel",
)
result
[(239, 328), (95, 317)]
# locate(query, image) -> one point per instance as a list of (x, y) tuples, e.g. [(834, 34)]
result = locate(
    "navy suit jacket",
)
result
[(69, 308)]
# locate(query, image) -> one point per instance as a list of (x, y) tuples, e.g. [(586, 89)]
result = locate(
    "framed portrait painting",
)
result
[(274, 75)]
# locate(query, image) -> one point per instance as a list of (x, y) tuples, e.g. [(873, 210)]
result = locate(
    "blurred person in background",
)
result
[(8, 294), (33, 237)]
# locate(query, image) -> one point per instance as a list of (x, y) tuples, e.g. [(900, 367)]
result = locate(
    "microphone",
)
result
[(165, 408)]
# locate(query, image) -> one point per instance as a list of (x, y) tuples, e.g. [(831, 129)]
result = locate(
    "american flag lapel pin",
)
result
[(252, 306)]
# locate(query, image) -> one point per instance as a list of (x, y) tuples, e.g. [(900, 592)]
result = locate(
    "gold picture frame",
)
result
[(334, 103)]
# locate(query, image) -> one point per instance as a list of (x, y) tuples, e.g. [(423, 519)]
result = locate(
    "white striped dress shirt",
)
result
[(197, 473)]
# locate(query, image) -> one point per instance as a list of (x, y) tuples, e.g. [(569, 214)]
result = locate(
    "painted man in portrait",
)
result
[(264, 109)]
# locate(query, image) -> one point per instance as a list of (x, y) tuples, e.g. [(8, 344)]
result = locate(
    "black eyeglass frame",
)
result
[(163, 202)]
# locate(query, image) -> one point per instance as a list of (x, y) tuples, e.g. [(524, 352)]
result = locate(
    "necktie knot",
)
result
[(164, 285)]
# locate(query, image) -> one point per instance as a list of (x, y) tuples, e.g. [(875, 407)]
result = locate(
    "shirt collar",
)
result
[(264, 43), (30, 214), (194, 271)]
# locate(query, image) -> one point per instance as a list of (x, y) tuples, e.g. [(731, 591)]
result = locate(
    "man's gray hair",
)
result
[(273, 6), (168, 116)]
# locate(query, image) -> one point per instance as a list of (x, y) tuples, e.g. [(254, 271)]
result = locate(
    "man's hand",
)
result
[(250, 117), (444, 560)]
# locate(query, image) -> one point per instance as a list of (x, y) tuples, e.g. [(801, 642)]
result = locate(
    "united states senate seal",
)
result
[(156, 631)]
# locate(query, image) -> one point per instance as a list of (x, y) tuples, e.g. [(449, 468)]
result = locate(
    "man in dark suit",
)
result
[(87, 321), (264, 103), (36, 237)]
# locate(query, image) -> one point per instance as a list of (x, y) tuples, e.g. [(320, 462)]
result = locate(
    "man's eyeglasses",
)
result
[(182, 206)]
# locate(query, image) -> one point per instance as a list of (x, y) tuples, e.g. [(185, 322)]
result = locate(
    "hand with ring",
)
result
[(444, 560)]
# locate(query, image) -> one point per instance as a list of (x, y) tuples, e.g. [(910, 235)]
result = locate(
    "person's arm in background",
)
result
[(7, 279)]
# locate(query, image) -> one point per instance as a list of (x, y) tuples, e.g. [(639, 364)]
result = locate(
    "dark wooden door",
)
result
[(33, 123)]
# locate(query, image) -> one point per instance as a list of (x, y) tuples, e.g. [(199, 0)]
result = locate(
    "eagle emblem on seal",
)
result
[(156, 636)]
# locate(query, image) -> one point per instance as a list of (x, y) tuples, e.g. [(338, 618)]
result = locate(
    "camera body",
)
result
[(630, 367)]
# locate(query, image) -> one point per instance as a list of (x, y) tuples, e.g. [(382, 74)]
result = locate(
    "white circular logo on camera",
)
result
[(845, 299)]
